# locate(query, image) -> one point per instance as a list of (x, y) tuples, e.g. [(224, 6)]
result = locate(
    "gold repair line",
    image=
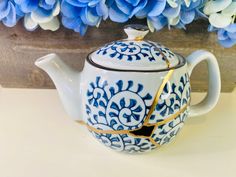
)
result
[(169, 119), (158, 94), (172, 117), (130, 131), (163, 55), (154, 142)]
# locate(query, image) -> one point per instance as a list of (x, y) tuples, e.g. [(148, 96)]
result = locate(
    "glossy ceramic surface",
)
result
[(132, 95), (135, 53), (132, 114)]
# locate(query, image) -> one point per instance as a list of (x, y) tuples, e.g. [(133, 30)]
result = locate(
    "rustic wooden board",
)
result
[(19, 49)]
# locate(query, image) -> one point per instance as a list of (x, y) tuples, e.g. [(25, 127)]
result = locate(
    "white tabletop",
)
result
[(37, 139)]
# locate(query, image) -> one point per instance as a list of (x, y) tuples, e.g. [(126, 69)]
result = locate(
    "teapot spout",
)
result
[(67, 82)]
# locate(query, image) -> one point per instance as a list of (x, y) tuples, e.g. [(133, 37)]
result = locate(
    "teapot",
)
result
[(133, 95)]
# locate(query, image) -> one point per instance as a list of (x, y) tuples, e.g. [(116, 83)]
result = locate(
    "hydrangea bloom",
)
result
[(9, 13), (221, 12), (222, 18), (122, 10), (79, 14), (41, 13), (177, 13), (227, 36)]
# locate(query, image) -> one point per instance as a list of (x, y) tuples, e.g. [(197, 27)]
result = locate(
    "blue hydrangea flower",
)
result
[(122, 10), (9, 13), (41, 13), (79, 14), (177, 13), (221, 13), (227, 36)]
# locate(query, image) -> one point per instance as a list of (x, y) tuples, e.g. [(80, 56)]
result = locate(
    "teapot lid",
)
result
[(135, 54)]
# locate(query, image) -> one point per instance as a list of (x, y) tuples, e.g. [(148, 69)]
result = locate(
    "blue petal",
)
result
[(157, 8), (88, 17), (124, 7), (158, 22), (133, 2), (231, 28), (27, 5), (42, 15), (227, 43), (71, 23), (102, 10), (222, 34), (70, 11), (231, 35), (171, 12), (4, 9), (117, 16), (187, 16), (81, 29), (77, 3), (138, 8), (10, 19)]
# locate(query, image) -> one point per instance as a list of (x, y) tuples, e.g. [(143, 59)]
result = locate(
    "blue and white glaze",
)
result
[(133, 51), (121, 106), (140, 54), (133, 95), (124, 106)]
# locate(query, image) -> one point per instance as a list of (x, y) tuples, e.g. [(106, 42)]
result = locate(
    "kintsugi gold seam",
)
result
[(155, 102), (163, 55), (157, 96), (169, 119), (154, 142), (172, 117)]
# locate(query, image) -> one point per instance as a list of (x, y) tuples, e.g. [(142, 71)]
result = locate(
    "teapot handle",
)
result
[(214, 81)]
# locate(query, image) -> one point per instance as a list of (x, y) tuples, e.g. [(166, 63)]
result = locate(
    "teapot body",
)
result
[(133, 95), (134, 111)]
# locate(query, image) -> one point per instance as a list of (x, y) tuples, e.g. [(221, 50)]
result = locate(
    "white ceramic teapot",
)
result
[(133, 95)]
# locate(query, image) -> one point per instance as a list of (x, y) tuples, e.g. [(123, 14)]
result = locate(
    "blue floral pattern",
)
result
[(178, 96), (121, 106), (130, 51), (125, 105)]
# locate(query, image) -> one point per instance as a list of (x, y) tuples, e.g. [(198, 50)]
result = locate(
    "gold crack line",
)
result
[(172, 117), (154, 142), (164, 122), (169, 119), (155, 101), (163, 55), (130, 131), (157, 96)]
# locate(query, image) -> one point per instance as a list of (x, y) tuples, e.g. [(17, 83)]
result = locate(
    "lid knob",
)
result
[(136, 32)]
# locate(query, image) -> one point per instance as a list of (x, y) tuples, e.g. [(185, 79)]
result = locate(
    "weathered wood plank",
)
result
[(19, 49)]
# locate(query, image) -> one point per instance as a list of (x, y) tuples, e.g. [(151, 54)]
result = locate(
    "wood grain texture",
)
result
[(19, 49)]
